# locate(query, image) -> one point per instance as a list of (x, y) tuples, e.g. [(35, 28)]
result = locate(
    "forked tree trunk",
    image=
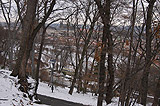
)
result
[(20, 68), (29, 31)]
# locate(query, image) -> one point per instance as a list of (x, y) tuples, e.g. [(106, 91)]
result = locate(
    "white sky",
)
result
[(61, 4)]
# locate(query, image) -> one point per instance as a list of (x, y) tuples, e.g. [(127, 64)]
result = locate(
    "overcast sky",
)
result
[(61, 4)]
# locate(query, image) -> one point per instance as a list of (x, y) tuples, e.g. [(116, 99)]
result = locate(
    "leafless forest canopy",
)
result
[(110, 48)]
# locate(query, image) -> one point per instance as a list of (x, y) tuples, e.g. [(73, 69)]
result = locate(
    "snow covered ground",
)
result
[(86, 99), (11, 96), (61, 93)]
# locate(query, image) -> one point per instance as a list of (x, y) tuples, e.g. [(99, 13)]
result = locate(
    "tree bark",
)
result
[(104, 11), (21, 63), (109, 93), (32, 57), (126, 83), (156, 101), (102, 68), (28, 23), (27, 42), (29, 31), (39, 60), (144, 81)]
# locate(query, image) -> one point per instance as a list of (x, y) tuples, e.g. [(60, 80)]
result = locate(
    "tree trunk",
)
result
[(74, 81), (104, 11), (109, 93), (10, 49), (86, 72), (20, 68), (39, 60), (144, 83), (102, 68), (79, 88), (27, 29), (32, 60), (126, 83), (156, 101)]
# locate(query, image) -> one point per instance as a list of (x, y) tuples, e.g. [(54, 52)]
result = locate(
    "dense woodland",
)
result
[(110, 48)]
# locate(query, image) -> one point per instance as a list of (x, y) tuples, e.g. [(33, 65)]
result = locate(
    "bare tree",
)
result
[(29, 32), (104, 10), (44, 28), (86, 37), (148, 58), (12, 26)]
